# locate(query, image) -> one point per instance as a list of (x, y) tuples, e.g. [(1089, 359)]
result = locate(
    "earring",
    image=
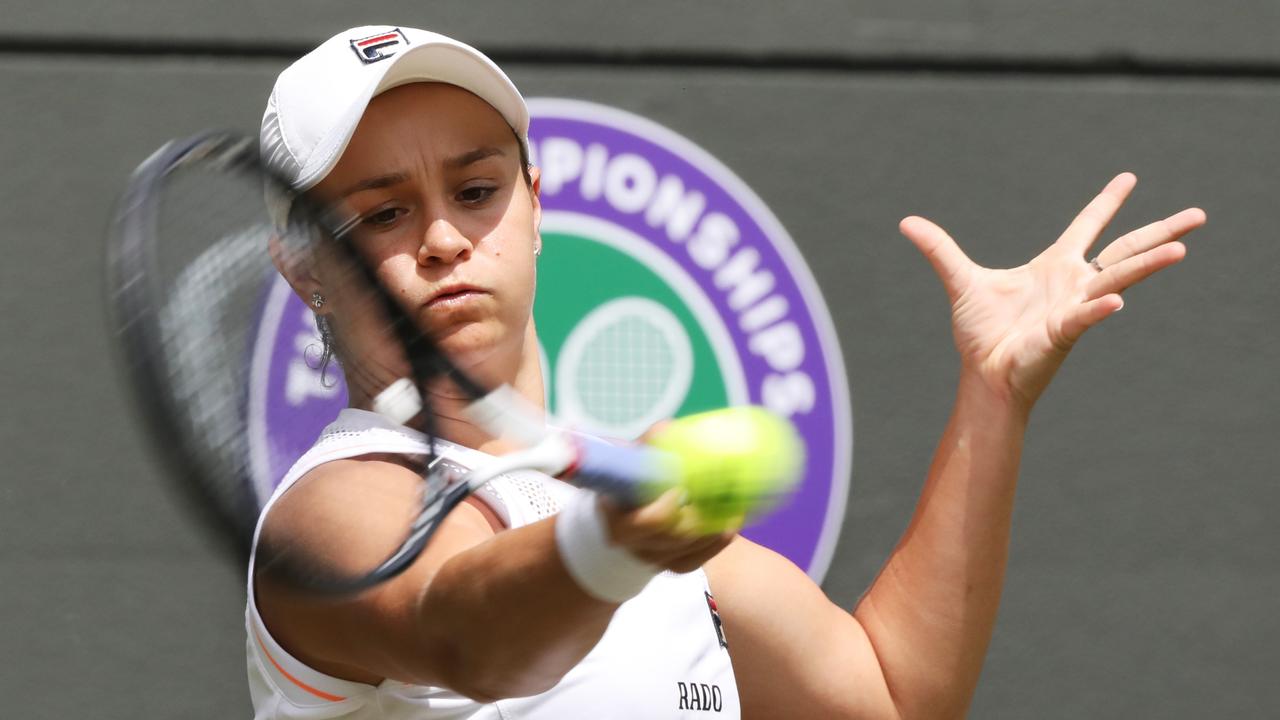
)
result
[(317, 300)]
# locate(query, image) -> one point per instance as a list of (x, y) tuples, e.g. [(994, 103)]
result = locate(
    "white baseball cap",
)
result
[(319, 99)]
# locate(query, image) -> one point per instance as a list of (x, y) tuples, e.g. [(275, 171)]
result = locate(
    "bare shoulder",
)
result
[(794, 652), (349, 514)]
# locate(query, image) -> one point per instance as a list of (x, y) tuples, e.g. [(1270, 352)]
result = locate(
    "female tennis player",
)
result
[(534, 600)]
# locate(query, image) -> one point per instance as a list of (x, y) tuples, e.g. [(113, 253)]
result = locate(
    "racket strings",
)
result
[(201, 236), (210, 263)]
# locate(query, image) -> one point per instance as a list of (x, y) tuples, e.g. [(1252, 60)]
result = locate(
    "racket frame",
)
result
[(629, 473)]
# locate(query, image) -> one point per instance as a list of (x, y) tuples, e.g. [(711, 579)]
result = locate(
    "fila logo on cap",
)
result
[(379, 47)]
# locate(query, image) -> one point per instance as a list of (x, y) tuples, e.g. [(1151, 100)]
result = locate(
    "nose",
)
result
[(442, 244)]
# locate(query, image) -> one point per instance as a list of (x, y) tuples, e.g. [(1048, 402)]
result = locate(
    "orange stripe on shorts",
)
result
[(314, 691)]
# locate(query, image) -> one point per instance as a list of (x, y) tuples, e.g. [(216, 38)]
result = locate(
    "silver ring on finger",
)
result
[(1095, 265)]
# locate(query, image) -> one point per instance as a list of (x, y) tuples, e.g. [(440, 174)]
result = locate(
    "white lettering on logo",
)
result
[(629, 183), (710, 246), (781, 345), (788, 394), (679, 210), (770, 310), (594, 175), (561, 162), (747, 284)]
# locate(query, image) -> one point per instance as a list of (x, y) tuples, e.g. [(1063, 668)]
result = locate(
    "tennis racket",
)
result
[(190, 254)]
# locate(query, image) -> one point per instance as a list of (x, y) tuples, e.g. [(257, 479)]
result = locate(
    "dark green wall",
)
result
[(1146, 556)]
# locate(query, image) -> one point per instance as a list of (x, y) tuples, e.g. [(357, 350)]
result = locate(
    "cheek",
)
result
[(514, 254), (397, 273), (517, 278), (512, 281)]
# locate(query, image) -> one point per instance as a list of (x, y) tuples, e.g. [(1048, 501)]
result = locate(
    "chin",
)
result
[(472, 345)]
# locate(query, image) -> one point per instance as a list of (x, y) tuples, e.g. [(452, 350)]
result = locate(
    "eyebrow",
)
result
[(473, 156), (460, 161), (376, 183)]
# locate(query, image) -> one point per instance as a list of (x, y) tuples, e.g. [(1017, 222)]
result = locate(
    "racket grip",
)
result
[(630, 474)]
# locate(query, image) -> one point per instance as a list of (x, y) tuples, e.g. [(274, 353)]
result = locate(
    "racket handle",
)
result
[(732, 464), (630, 474)]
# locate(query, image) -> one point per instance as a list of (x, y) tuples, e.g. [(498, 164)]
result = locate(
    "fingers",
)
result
[(690, 556), (654, 431), (1150, 236), (629, 526), (1133, 270), (651, 533), (1086, 315), (1093, 219), (1127, 262), (948, 260)]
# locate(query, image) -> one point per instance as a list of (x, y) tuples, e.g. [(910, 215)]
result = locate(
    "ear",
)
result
[(535, 196), (296, 269)]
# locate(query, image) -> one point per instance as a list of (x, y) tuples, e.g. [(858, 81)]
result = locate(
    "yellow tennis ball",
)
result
[(733, 464)]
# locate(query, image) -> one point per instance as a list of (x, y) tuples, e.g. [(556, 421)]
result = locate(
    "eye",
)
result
[(477, 194), (383, 218)]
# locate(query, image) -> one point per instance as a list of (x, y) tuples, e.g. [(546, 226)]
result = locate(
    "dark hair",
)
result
[(525, 165), (326, 349)]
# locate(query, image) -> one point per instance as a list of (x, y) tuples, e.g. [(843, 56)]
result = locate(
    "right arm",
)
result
[(487, 614)]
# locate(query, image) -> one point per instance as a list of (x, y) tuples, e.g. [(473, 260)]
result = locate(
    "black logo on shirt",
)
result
[(700, 696), (715, 619)]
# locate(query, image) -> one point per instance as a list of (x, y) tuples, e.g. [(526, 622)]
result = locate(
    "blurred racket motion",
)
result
[(200, 234)]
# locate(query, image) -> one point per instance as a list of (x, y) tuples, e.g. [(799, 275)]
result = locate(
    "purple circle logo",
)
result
[(665, 287)]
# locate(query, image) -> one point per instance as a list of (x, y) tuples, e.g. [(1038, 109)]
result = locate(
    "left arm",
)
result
[(915, 644)]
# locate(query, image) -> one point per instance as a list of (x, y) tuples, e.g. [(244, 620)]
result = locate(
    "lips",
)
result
[(454, 295)]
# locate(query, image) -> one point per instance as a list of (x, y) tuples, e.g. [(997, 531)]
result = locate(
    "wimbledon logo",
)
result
[(665, 287)]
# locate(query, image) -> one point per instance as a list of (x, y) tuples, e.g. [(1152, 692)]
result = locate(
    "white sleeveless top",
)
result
[(662, 655)]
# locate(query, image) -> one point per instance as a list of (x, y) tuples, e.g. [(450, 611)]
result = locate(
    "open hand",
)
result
[(1015, 327)]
